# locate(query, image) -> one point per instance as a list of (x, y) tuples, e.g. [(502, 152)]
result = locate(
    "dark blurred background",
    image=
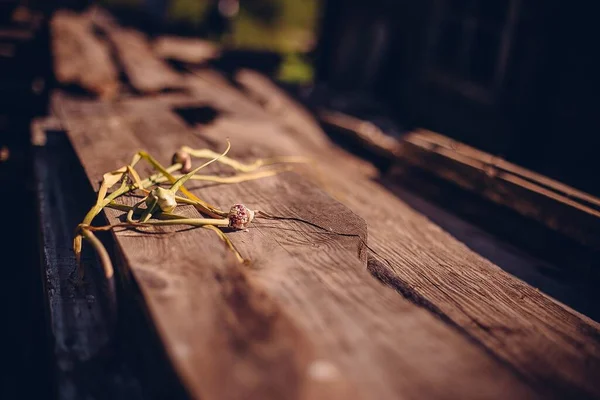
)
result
[(516, 78)]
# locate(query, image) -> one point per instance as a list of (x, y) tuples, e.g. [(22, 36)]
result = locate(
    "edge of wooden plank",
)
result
[(545, 202), (81, 319)]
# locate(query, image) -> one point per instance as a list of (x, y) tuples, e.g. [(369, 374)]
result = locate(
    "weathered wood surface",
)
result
[(86, 357), (553, 348), (573, 288), (145, 71), (366, 132), (305, 319), (80, 57), (558, 206), (187, 50), (503, 165), (550, 345)]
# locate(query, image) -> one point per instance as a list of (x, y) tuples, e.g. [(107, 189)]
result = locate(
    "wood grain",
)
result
[(145, 71), (81, 318), (305, 319), (553, 347), (81, 58), (559, 207), (367, 133)]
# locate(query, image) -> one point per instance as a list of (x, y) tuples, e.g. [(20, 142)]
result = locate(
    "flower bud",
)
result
[(240, 216), (165, 199), (183, 158)]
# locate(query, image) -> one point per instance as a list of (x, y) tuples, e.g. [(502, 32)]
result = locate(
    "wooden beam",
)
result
[(81, 58), (550, 345), (82, 318), (146, 72), (559, 207), (305, 319), (366, 132)]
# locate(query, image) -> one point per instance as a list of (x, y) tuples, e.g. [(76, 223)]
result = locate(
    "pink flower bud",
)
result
[(183, 158), (240, 216)]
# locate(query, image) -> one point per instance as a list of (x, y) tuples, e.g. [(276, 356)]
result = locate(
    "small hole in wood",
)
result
[(203, 115)]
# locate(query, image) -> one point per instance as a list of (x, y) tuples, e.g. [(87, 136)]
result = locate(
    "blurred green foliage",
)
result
[(284, 26)]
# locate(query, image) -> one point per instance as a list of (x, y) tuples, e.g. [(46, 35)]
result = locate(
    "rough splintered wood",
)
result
[(81, 58), (81, 319), (553, 347), (187, 50), (146, 72), (305, 319), (366, 132), (558, 206)]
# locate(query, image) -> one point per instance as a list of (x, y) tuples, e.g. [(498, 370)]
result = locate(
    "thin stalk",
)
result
[(201, 205), (232, 179), (101, 251), (228, 243), (179, 182), (104, 199), (173, 217), (126, 208), (108, 180), (197, 222), (241, 167)]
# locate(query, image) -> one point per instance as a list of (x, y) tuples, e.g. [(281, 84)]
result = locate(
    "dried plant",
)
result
[(159, 203)]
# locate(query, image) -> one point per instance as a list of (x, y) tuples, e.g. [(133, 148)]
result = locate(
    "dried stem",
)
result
[(161, 201), (235, 178), (241, 167)]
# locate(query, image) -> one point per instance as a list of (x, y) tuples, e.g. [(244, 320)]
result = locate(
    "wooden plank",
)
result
[(277, 104), (210, 87), (296, 322), (500, 164), (557, 206), (81, 318), (366, 132), (576, 289), (515, 212), (186, 50), (551, 346), (145, 72), (81, 58)]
